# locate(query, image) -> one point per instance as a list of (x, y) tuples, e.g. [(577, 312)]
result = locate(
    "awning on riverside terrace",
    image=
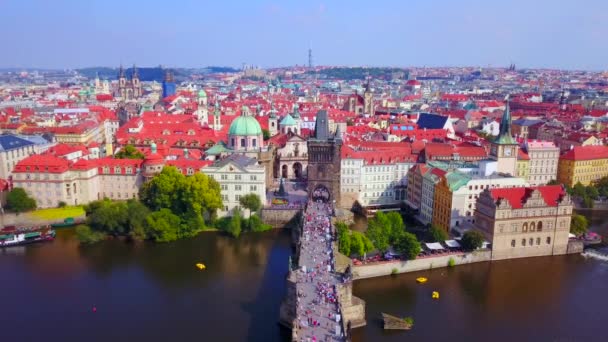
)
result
[(434, 245), (452, 243)]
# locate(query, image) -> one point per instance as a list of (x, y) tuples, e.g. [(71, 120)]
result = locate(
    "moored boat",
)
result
[(11, 236)]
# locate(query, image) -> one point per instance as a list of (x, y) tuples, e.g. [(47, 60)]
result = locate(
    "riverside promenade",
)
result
[(318, 308)]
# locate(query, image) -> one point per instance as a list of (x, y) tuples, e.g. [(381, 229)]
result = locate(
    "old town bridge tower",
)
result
[(324, 161)]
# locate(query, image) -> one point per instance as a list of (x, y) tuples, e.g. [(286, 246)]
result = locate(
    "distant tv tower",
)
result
[(310, 58)]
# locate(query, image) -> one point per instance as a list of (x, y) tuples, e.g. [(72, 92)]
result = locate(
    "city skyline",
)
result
[(69, 34)]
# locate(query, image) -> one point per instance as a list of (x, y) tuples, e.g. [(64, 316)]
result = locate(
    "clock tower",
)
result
[(504, 148)]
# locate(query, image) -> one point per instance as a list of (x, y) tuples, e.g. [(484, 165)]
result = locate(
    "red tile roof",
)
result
[(518, 196), (42, 163), (586, 153)]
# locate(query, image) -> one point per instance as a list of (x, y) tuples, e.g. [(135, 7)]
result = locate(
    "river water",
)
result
[(154, 292), (145, 292)]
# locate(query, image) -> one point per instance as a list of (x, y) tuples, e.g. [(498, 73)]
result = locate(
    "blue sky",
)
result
[(530, 33)]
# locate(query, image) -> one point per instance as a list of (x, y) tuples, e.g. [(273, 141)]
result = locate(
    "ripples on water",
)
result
[(600, 254)]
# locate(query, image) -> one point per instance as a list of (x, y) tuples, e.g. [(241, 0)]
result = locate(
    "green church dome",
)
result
[(245, 125), (202, 93)]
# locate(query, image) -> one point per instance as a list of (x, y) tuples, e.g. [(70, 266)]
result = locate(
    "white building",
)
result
[(15, 148), (544, 158), (238, 175)]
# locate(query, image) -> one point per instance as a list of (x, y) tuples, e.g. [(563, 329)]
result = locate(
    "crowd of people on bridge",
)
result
[(317, 299)]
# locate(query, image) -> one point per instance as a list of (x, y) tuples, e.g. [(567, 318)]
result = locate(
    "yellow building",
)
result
[(442, 205), (523, 165), (585, 164)]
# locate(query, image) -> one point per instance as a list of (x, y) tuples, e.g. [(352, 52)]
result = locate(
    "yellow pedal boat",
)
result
[(421, 280), (201, 266), (435, 295)]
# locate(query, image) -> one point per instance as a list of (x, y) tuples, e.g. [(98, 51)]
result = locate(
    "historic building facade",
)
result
[(525, 221)]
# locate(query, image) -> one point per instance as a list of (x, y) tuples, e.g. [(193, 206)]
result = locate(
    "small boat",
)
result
[(201, 266), (421, 280), (11, 236), (68, 222), (435, 295)]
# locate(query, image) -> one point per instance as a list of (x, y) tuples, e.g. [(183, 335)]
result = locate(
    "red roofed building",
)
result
[(525, 221), (584, 164), (463, 152), (374, 174)]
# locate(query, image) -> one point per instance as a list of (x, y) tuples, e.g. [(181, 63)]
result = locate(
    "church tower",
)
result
[(135, 83), (504, 148), (122, 83), (368, 100), (217, 124), (272, 121)]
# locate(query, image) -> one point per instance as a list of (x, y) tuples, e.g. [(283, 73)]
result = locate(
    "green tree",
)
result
[(251, 202), (136, 218), (129, 152), (436, 234), (256, 224), (579, 190), (86, 235), (578, 224), (163, 225), (407, 244), (265, 134), (109, 217), (396, 225), (356, 244), (344, 238), (472, 240), (593, 192), (234, 226), (364, 244), (377, 233), (18, 201), (553, 182), (193, 197)]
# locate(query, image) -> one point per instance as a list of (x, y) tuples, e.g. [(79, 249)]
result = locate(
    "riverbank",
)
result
[(385, 268)]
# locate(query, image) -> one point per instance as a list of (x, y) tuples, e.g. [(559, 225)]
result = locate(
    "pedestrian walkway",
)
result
[(318, 310)]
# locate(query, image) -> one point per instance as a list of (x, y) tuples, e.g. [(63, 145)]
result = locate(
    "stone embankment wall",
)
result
[(575, 246), (386, 268), (280, 218)]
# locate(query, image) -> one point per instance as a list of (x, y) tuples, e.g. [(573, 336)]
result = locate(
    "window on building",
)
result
[(242, 142), (531, 241), (237, 177), (253, 188), (224, 177), (537, 241), (548, 240), (237, 187), (513, 243), (532, 226), (539, 226), (525, 227), (237, 197), (523, 242), (224, 187)]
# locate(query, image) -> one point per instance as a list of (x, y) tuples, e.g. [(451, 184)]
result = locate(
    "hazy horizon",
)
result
[(69, 34)]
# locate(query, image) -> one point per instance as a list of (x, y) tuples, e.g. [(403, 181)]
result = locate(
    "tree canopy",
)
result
[(251, 201), (436, 234), (472, 240), (193, 198), (407, 244), (578, 224), (129, 152), (19, 201)]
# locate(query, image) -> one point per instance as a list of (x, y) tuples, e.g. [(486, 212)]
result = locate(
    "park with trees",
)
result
[(171, 206)]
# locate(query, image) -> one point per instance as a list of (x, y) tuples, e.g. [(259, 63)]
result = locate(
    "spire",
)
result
[(121, 72), (338, 136), (216, 110), (135, 73), (273, 115), (505, 136)]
